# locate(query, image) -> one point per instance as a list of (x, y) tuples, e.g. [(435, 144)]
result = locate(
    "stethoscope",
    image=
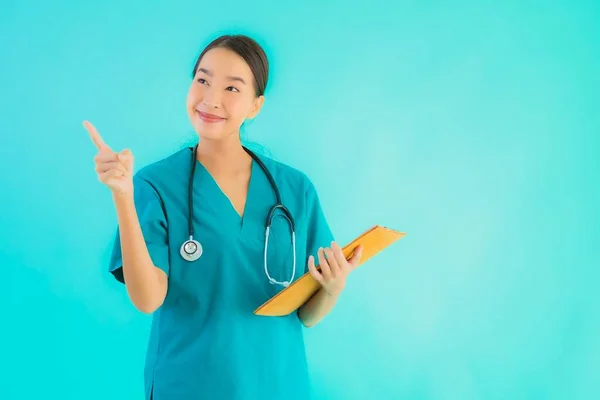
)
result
[(191, 249)]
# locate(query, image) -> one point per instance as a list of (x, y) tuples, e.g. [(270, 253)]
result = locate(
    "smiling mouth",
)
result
[(210, 118)]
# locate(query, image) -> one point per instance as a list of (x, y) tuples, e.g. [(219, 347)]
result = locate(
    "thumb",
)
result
[(126, 157), (355, 260)]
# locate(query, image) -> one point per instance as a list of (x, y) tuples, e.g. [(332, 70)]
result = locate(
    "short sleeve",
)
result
[(153, 223), (318, 231)]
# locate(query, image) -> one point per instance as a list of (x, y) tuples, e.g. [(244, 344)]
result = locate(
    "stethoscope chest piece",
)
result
[(191, 250)]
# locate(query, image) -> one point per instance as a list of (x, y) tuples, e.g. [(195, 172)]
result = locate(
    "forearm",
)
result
[(318, 306), (145, 283)]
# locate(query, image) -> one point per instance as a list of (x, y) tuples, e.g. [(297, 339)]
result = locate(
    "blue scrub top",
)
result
[(205, 341)]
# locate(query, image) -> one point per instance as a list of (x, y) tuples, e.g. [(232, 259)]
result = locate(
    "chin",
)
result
[(211, 131)]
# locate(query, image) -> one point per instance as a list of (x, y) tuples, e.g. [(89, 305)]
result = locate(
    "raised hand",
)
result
[(114, 169)]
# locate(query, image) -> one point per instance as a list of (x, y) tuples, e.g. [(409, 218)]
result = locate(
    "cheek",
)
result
[(237, 109), (235, 113), (193, 97), (189, 103)]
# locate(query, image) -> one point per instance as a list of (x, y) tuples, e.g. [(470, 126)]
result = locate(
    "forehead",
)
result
[(225, 62)]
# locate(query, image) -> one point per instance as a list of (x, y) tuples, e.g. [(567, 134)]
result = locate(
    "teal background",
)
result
[(476, 123)]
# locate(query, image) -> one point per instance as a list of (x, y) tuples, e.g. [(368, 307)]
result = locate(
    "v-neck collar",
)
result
[(223, 200)]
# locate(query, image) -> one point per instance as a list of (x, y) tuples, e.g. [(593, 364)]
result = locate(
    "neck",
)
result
[(223, 156)]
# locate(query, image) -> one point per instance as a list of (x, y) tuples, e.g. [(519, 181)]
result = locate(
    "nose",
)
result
[(211, 99)]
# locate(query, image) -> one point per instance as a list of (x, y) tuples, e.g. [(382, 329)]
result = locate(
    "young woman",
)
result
[(192, 246)]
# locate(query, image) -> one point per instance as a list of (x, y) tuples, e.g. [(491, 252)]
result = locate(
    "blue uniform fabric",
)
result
[(205, 341)]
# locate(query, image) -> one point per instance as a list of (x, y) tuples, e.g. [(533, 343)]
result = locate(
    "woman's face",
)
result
[(222, 95)]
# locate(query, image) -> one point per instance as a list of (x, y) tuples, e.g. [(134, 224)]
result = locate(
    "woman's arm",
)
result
[(317, 307), (146, 284)]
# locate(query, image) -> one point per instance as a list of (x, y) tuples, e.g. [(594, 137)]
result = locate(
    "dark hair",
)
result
[(250, 51)]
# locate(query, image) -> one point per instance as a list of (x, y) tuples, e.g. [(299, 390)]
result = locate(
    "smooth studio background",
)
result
[(473, 127)]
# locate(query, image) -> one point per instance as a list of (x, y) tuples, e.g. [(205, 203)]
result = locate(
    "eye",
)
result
[(232, 89), (201, 81)]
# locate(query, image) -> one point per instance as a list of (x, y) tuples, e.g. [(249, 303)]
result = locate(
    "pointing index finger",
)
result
[(96, 138)]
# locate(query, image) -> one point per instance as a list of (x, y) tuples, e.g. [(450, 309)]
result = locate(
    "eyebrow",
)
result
[(231, 78)]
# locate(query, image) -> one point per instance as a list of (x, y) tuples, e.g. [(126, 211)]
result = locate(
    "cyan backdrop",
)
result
[(472, 126)]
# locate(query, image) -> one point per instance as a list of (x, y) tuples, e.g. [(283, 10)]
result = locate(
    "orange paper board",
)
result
[(291, 298)]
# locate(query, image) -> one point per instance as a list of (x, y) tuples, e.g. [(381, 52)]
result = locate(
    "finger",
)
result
[(105, 156), (113, 173), (325, 271), (333, 264), (104, 167), (126, 157), (339, 256), (96, 138), (313, 270), (355, 259)]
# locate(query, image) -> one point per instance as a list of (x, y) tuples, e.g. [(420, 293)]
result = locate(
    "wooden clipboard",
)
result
[(291, 298)]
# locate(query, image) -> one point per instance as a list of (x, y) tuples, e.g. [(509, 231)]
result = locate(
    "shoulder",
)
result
[(288, 176), (165, 170)]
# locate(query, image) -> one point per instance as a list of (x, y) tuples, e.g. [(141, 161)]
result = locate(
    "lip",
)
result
[(210, 118)]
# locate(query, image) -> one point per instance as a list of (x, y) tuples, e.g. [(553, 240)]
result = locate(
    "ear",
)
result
[(257, 105)]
